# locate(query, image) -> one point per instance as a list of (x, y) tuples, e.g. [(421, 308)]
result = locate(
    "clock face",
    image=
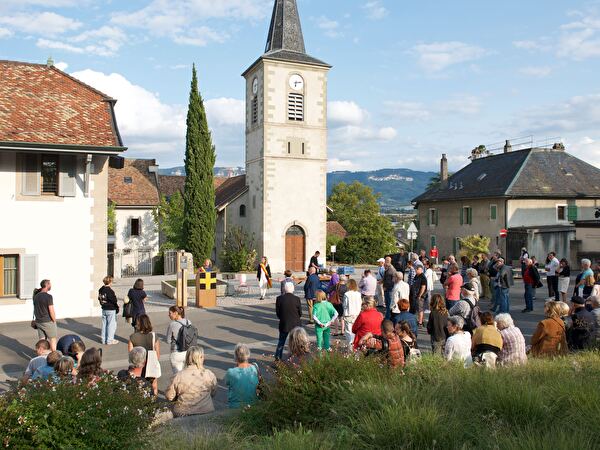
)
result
[(255, 86), (296, 82)]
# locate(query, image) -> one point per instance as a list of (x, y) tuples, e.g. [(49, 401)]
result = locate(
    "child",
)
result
[(324, 315)]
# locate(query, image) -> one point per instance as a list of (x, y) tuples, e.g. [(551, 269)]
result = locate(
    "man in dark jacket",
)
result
[(388, 281), (289, 311), (418, 290), (311, 286), (580, 332), (531, 281)]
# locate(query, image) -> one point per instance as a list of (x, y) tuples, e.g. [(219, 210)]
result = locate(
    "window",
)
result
[(303, 148), (561, 212), (49, 174), (432, 217), (456, 246), (242, 210), (135, 226), (493, 212), (127, 180), (254, 202), (9, 276), (466, 215), (255, 109), (289, 148), (572, 213), (433, 242), (296, 107)]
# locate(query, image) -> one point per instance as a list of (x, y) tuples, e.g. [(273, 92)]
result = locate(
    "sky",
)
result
[(410, 79)]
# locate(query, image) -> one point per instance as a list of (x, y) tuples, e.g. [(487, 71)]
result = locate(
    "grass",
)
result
[(337, 402)]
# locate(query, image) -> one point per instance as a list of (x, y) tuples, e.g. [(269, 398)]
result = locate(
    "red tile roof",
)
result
[(229, 190), (336, 229), (41, 104), (169, 184), (141, 191)]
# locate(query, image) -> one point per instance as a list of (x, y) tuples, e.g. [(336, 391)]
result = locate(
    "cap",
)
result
[(469, 287), (381, 260), (578, 300)]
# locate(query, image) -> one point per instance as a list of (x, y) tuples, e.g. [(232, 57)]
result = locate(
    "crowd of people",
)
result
[(381, 315)]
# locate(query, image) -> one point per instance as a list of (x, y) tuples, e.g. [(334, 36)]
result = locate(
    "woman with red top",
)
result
[(368, 321), (452, 286), (531, 281)]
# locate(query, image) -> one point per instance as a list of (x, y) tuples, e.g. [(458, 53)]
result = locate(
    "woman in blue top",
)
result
[(137, 296), (242, 380)]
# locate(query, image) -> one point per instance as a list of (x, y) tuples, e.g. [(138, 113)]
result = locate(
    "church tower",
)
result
[(286, 145)]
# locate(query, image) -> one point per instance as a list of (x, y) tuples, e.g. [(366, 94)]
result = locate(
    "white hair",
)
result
[(137, 357), (504, 320), (399, 276), (288, 288), (586, 262), (472, 271), (457, 321), (242, 353)]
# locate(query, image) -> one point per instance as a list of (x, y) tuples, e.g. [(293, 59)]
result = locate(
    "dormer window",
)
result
[(481, 177), (128, 180)]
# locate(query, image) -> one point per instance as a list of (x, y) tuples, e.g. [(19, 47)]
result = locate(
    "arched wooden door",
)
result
[(295, 243)]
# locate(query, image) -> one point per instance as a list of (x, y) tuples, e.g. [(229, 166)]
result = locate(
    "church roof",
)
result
[(529, 173), (229, 190), (285, 41)]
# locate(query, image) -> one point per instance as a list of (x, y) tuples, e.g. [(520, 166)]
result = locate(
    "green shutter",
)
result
[(470, 216), (436, 217), (462, 218), (493, 212), (428, 217), (433, 242), (572, 213)]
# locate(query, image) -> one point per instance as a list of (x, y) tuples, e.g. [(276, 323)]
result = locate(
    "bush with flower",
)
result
[(108, 414)]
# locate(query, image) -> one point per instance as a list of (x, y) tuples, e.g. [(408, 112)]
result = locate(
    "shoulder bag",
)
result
[(152, 362)]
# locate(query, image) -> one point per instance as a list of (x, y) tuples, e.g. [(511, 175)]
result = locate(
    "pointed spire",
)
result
[(285, 32)]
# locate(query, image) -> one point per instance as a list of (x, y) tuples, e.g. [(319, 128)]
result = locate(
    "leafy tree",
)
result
[(111, 218), (474, 245), (238, 253), (370, 235), (200, 216), (169, 216), (435, 181)]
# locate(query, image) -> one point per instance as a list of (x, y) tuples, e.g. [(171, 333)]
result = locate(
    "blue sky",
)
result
[(410, 80)]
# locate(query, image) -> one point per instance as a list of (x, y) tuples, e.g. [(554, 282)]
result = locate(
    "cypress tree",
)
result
[(200, 216)]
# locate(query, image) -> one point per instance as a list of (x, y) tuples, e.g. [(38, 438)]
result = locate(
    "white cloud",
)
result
[(460, 104), (200, 37), (46, 23), (585, 148), (334, 164), (351, 134), (104, 41), (438, 56), (61, 65), (457, 104), (4, 33), (407, 110), (330, 27), (225, 111), (179, 66), (375, 10), (536, 71), (580, 40), (148, 126), (345, 113), (542, 44)]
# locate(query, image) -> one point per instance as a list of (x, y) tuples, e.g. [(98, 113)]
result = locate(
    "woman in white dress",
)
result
[(263, 274)]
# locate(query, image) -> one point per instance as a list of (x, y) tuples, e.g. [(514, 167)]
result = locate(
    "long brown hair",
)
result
[(437, 303), (90, 364), (178, 309), (143, 324)]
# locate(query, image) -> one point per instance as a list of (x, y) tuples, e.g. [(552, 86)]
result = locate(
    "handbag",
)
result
[(152, 362), (260, 387), (33, 324), (127, 308)]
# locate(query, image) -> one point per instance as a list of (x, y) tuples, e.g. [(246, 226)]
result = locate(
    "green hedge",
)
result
[(110, 414)]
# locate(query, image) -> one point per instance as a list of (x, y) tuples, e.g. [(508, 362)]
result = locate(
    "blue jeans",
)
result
[(109, 326), (387, 296), (503, 300), (281, 344), (529, 296)]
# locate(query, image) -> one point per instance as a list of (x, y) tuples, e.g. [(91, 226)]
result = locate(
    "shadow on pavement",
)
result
[(248, 334), (20, 349)]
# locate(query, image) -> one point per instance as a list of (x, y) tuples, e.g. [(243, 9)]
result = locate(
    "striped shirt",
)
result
[(513, 347)]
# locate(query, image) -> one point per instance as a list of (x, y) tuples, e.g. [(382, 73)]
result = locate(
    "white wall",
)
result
[(539, 212), (58, 230), (149, 232)]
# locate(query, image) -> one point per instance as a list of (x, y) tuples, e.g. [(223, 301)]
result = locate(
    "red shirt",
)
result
[(368, 321), (527, 278), (453, 290)]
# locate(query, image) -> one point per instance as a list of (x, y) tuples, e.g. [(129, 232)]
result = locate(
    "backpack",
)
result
[(187, 337), (385, 347), (472, 320)]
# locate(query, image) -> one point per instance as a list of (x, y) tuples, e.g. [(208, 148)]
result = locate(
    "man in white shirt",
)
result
[(367, 284), (552, 263), (42, 348)]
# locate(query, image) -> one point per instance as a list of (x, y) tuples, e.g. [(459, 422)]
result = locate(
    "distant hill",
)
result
[(396, 186)]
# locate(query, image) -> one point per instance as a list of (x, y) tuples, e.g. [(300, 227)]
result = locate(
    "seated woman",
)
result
[(458, 345), (408, 340), (388, 345), (193, 388), (299, 346), (368, 321), (550, 339), (46, 371), (145, 337), (137, 363), (76, 351), (90, 367), (241, 380), (487, 341), (64, 370)]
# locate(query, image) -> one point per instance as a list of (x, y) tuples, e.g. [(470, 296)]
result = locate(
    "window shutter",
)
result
[(429, 217), (67, 166), (470, 216), (572, 213), (436, 217), (129, 226), (31, 176), (462, 214), (28, 276), (139, 226)]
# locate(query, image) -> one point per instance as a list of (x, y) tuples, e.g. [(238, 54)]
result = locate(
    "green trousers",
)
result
[(322, 337)]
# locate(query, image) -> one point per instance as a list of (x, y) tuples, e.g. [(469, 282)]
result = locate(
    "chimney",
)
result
[(507, 146), (50, 62), (444, 171)]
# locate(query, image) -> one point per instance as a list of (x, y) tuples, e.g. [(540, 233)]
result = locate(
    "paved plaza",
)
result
[(243, 318)]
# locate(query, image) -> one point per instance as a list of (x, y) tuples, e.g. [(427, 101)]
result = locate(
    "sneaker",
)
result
[(112, 343), (427, 311), (526, 310)]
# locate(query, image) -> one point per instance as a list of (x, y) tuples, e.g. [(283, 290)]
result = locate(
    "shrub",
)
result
[(110, 414), (238, 254)]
